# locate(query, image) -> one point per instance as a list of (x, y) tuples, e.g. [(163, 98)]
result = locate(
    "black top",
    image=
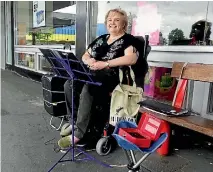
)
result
[(101, 50)]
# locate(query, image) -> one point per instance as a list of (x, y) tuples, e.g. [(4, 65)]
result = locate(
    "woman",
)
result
[(104, 56)]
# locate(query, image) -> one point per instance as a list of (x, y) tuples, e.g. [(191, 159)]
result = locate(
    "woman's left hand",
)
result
[(99, 65)]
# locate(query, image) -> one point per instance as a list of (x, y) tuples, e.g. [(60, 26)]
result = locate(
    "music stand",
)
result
[(66, 65)]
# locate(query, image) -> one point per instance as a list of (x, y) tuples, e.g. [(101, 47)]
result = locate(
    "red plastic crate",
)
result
[(135, 136), (148, 130)]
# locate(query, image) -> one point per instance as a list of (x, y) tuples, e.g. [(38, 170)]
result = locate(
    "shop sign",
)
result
[(38, 14)]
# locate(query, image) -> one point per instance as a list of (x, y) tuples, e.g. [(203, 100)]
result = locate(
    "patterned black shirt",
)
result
[(102, 51)]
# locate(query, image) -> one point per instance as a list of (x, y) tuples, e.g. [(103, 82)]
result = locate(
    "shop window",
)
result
[(167, 23), (159, 84), (26, 60), (42, 24), (45, 22)]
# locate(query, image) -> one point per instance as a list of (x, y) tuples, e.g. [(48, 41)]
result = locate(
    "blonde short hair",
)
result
[(121, 12)]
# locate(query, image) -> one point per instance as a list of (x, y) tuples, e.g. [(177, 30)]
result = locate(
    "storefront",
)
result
[(31, 25), (178, 31)]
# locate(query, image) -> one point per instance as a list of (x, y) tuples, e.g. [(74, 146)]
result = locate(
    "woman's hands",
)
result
[(99, 65), (95, 65), (90, 61)]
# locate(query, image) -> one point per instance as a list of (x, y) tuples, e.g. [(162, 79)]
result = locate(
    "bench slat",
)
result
[(196, 123), (198, 72)]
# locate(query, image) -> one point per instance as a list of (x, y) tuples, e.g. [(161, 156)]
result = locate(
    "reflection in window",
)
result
[(210, 20), (44, 65), (201, 32), (166, 23)]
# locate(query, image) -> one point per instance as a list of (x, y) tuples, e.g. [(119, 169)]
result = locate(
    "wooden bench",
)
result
[(196, 72)]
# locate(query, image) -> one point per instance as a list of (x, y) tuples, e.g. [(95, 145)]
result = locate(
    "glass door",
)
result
[(8, 34)]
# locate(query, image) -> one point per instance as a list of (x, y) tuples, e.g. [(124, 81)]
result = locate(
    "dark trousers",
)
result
[(68, 86), (92, 99)]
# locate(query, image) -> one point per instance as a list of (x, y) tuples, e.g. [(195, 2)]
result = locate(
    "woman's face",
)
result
[(115, 23)]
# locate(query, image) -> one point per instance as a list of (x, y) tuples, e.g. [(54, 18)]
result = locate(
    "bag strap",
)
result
[(131, 74)]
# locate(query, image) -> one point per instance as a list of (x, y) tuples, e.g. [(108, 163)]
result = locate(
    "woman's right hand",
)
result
[(87, 59), (90, 61)]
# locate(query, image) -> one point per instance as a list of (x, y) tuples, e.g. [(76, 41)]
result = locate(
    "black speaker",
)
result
[(55, 109), (53, 94), (53, 82)]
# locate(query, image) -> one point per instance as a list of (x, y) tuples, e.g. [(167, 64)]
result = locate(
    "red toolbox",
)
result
[(148, 130)]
